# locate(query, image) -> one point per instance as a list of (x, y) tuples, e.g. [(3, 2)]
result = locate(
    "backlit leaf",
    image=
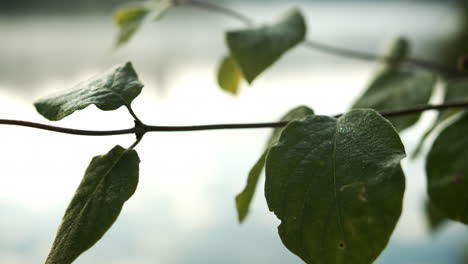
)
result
[(256, 48), (229, 75), (129, 18), (337, 186), (447, 171), (244, 198), (108, 91), (109, 181)]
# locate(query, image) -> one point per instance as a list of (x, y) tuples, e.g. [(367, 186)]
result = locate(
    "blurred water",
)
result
[(183, 211)]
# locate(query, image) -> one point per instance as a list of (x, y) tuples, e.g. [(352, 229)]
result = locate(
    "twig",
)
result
[(142, 128), (65, 130)]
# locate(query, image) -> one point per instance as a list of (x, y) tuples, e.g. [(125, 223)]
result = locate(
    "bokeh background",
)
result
[(183, 211)]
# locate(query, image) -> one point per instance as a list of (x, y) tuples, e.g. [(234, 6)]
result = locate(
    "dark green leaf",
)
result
[(108, 91), (244, 198), (337, 186), (447, 171), (399, 88), (229, 75), (109, 181), (255, 49), (129, 19), (435, 218)]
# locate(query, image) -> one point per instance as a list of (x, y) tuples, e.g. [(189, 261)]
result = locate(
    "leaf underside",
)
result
[(244, 198), (337, 186), (109, 181), (256, 48), (130, 18), (229, 75), (115, 88)]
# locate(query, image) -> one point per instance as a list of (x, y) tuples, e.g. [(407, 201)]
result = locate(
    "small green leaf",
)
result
[(129, 18), (337, 186), (435, 218), (244, 198), (399, 88), (109, 181), (256, 48), (115, 88), (447, 171), (229, 75)]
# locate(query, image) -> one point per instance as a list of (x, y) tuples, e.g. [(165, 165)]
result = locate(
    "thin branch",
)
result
[(214, 127), (337, 51), (141, 129), (342, 52), (64, 130), (422, 108), (220, 9)]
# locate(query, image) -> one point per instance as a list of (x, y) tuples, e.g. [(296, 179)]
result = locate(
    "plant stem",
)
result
[(220, 9), (65, 130), (142, 129), (447, 72), (130, 110)]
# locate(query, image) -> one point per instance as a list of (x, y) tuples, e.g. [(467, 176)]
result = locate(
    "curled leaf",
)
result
[(108, 91)]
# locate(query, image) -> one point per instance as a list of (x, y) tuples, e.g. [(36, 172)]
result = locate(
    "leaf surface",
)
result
[(447, 171), (229, 75), (337, 186), (256, 48), (109, 181), (244, 198), (115, 88)]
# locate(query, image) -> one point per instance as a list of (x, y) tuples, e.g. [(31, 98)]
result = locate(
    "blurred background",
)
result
[(183, 211)]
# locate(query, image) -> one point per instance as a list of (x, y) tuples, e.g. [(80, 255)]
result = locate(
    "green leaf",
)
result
[(399, 88), (337, 186), (129, 18), (455, 91), (115, 88), (435, 218), (244, 198), (229, 75), (109, 181), (256, 48), (447, 171)]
